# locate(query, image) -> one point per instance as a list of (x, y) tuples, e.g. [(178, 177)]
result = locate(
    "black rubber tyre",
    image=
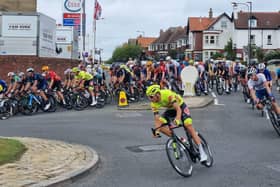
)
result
[(179, 157)]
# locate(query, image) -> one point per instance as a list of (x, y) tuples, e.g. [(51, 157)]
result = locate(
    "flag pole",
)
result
[(94, 31), (81, 29)]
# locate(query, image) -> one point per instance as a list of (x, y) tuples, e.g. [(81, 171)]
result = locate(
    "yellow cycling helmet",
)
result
[(75, 69), (1, 88), (152, 90), (45, 68), (149, 63)]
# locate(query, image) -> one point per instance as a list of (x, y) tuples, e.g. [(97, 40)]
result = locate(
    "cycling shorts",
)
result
[(170, 114), (261, 94)]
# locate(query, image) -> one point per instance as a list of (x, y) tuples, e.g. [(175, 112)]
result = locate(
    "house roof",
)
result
[(145, 41), (265, 20), (171, 35), (199, 23), (217, 19)]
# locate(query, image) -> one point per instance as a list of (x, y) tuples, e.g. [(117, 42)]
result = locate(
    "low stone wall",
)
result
[(21, 63)]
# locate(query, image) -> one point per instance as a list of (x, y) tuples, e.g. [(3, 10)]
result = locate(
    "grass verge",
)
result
[(10, 150)]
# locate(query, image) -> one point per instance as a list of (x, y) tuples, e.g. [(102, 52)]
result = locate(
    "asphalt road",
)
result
[(245, 145)]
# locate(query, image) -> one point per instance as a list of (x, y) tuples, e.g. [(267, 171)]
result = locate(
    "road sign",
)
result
[(71, 15)]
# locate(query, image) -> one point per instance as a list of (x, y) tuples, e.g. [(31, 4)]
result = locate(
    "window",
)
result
[(253, 23), (252, 38), (206, 55), (206, 39), (269, 40), (212, 39), (224, 24), (161, 46)]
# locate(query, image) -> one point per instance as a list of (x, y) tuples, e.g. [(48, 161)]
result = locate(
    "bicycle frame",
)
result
[(33, 97)]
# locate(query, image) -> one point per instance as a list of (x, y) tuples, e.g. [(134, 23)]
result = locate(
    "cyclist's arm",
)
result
[(27, 86), (51, 83), (253, 94), (266, 85), (178, 111), (9, 88)]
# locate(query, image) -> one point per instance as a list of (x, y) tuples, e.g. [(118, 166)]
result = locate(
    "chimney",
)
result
[(161, 32), (210, 13)]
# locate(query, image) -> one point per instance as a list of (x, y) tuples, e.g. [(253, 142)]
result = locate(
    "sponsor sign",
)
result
[(19, 26), (71, 16), (72, 6), (189, 76)]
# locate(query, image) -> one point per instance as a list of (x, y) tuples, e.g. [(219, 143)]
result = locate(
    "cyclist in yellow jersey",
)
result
[(176, 108), (85, 80)]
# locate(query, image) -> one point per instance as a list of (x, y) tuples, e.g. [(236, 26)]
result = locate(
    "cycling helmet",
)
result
[(149, 63), (10, 74), (21, 74), (261, 66), (30, 70), (45, 68), (252, 71), (67, 71), (1, 88), (168, 58), (75, 69), (152, 90)]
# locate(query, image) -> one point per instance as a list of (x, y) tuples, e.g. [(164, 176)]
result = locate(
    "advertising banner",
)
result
[(19, 26)]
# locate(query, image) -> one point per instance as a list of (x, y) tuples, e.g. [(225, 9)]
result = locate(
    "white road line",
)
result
[(216, 101)]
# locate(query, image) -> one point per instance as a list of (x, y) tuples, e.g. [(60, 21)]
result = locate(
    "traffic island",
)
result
[(48, 162), (192, 102)]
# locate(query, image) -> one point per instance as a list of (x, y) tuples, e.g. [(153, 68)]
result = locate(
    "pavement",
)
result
[(192, 102), (47, 163)]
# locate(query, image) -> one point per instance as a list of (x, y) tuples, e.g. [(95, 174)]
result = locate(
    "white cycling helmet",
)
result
[(252, 71), (10, 74), (261, 66), (30, 70), (67, 71), (168, 58), (21, 74)]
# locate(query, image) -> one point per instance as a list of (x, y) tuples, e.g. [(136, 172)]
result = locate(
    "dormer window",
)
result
[(253, 22)]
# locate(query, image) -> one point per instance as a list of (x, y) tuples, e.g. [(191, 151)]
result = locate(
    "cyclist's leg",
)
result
[(187, 120)]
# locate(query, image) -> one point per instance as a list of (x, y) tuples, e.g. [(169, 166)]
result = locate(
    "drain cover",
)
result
[(146, 148)]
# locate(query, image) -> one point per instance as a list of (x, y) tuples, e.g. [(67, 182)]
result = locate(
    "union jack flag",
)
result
[(97, 10)]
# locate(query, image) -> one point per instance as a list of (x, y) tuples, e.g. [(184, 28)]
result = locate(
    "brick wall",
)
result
[(21, 63)]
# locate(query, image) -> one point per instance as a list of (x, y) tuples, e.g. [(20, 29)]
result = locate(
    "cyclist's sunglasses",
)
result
[(151, 97)]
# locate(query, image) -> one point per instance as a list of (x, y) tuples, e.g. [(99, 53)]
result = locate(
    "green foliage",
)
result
[(110, 61), (230, 53), (123, 53), (217, 55), (272, 55), (259, 54), (172, 53)]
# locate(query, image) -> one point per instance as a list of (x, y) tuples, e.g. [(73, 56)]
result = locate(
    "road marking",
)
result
[(146, 148), (128, 115), (216, 101), (275, 167)]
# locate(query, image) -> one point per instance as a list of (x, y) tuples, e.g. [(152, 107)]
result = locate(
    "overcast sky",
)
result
[(122, 18)]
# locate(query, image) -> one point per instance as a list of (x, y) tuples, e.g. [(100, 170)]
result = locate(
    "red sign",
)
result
[(71, 15)]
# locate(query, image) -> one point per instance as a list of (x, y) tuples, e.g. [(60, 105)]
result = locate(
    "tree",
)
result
[(217, 55), (272, 55), (123, 53), (172, 53), (230, 51)]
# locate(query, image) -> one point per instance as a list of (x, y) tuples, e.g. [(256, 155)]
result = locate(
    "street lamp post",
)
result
[(141, 32), (249, 6)]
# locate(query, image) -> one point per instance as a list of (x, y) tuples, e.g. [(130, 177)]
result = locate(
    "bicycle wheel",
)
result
[(179, 157), (197, 89), (275, 123), (209, 162), (219, 88), (53, 102), (27, 109)]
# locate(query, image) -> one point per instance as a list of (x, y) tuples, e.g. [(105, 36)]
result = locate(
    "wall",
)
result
[(21, 63)]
